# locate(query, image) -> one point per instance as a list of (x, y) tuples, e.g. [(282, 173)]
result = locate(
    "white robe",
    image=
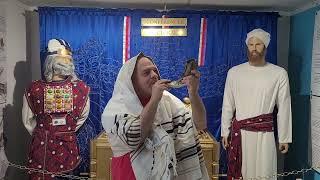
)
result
[(252, 91)]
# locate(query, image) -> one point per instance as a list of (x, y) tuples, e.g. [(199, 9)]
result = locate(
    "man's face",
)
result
[(63, 66), (256, 49), (144, 76)]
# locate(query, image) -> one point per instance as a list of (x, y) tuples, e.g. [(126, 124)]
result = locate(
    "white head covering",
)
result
[(260, 34), (58, 48), (124, 99)]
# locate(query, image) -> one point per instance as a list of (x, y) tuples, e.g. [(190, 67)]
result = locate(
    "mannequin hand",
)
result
[(283, 147), (224, 141)]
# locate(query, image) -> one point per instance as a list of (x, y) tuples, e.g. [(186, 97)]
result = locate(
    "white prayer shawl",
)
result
[(171, 152)]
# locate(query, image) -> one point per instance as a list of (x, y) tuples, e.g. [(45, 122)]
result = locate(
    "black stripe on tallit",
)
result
[(122, 138), (191, 127), (195, 150), (180, 115), (133, 144), (133, 135), (186, 149), (117, 124), (124, 126), (179, 125), (134, 141), (136, 153)]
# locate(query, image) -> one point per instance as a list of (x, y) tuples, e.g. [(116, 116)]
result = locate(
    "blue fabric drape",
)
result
[(96, 38)]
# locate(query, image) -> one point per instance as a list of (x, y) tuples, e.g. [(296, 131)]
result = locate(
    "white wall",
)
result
[(16, 42), (17, 79)]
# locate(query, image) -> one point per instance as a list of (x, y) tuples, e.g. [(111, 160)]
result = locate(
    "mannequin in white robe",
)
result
[(252, 89)]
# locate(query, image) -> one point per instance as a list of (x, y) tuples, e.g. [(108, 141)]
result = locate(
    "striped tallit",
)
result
[(172, 151)]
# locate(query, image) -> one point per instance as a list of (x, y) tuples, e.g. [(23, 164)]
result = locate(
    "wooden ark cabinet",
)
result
[(100, 158), (100, 154)]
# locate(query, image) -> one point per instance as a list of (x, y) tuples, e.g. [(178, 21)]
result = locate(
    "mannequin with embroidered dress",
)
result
[(53, 110)]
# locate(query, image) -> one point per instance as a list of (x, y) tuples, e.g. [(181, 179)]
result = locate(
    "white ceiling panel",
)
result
[(258, 5)]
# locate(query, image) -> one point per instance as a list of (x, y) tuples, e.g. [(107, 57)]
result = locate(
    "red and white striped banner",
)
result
[(126, 39), (203, 42)]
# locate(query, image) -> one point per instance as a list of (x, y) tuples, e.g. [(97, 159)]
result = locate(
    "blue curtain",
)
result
[(96, 39), (95, 36)]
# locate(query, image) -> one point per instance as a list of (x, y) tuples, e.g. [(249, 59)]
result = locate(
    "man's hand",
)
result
[(148, 113), (224, 142), (192, 82), (283, 147), (158, 88), (198, 109)]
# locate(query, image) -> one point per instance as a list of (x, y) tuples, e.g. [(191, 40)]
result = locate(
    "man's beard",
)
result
[(255, 56), (63, 69)]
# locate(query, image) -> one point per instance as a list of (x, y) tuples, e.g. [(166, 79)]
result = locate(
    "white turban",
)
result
[(260, 34)]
